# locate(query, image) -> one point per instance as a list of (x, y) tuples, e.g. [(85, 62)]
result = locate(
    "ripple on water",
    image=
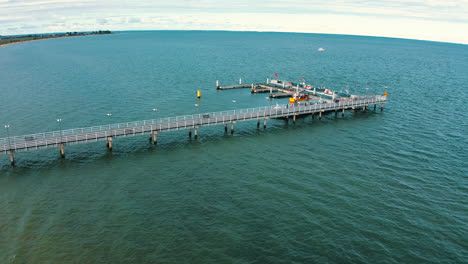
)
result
[(366, 187)]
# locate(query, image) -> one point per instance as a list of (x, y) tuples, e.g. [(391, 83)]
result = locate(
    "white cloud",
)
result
[(419, 19)]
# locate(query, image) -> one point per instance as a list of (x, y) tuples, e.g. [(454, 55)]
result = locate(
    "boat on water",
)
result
[(297, 97)]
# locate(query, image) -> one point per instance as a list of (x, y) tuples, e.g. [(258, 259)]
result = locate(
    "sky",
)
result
[(437, 20)]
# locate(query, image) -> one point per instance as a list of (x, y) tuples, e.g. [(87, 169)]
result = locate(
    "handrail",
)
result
[(194, 119)]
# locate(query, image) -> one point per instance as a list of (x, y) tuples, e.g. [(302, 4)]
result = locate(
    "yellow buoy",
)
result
[(385, 93), (198, 94), (292, 100)]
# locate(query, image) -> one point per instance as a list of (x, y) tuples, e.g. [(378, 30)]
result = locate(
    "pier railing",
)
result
[(94, 133)]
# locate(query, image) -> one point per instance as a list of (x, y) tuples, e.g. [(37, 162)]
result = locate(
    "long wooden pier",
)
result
[(152, 127), (235, 86), (281, 95)]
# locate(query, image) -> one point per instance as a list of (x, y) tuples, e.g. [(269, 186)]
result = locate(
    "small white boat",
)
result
[(320, 49)]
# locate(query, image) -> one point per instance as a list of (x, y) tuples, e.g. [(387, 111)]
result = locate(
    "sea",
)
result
[(377, 186)]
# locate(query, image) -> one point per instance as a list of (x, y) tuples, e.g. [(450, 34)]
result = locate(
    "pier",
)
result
[(235, 86), (282, 95), (61, 139)]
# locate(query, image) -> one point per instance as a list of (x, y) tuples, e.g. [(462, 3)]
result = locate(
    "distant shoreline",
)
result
[(5, 41)]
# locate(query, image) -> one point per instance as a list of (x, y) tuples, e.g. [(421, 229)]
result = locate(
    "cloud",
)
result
[(102, 21), (421, 19), (133, 20)]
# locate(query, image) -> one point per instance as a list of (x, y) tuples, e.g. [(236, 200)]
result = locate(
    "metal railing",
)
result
[(94, 133)]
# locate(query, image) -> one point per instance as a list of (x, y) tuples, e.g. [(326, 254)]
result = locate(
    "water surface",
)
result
[(370, 187)]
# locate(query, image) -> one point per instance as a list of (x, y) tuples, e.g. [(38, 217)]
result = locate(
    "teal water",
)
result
[(374, 187)]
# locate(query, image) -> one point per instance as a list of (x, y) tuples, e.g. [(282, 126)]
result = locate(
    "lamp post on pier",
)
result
[(154, 113), (59, 121), (8, 135), (10, 151), (61, 147)]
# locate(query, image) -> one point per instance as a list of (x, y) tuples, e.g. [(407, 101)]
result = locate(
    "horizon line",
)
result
[(244, 31)]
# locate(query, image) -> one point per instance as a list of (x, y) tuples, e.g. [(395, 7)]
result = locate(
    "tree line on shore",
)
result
[(20, 38)]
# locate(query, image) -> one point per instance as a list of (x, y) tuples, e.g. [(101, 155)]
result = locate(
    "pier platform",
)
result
[(236, 86), (282, 95), (63, 138)]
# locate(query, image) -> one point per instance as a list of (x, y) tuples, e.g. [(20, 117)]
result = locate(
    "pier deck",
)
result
[(282, 95), (97, 133), (236, 86), (265, 90)]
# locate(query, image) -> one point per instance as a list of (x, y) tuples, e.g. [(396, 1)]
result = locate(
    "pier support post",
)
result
[(12, 157), (375, 106), (294, 118), (364, 108), (320, 115), (313, 116), (190, 133), (195, 132), (264, 123), (217, 84), (109, 143), (258, 123), (155, 137), (62, 150), (225, 128), (150, 136), (381, 107), (342, 113), (232, 127), (336, 112)]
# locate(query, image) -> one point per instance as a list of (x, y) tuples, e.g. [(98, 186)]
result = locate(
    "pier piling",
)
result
[(225, 128), (109, 143), (320, 115), (196, 132), (232, 127), (155, 137), (62, 150), (190, 133), (381, 107), (342, 113), (12, 157), (258, 123), (264, 123), (294, 118), (375, 107)]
